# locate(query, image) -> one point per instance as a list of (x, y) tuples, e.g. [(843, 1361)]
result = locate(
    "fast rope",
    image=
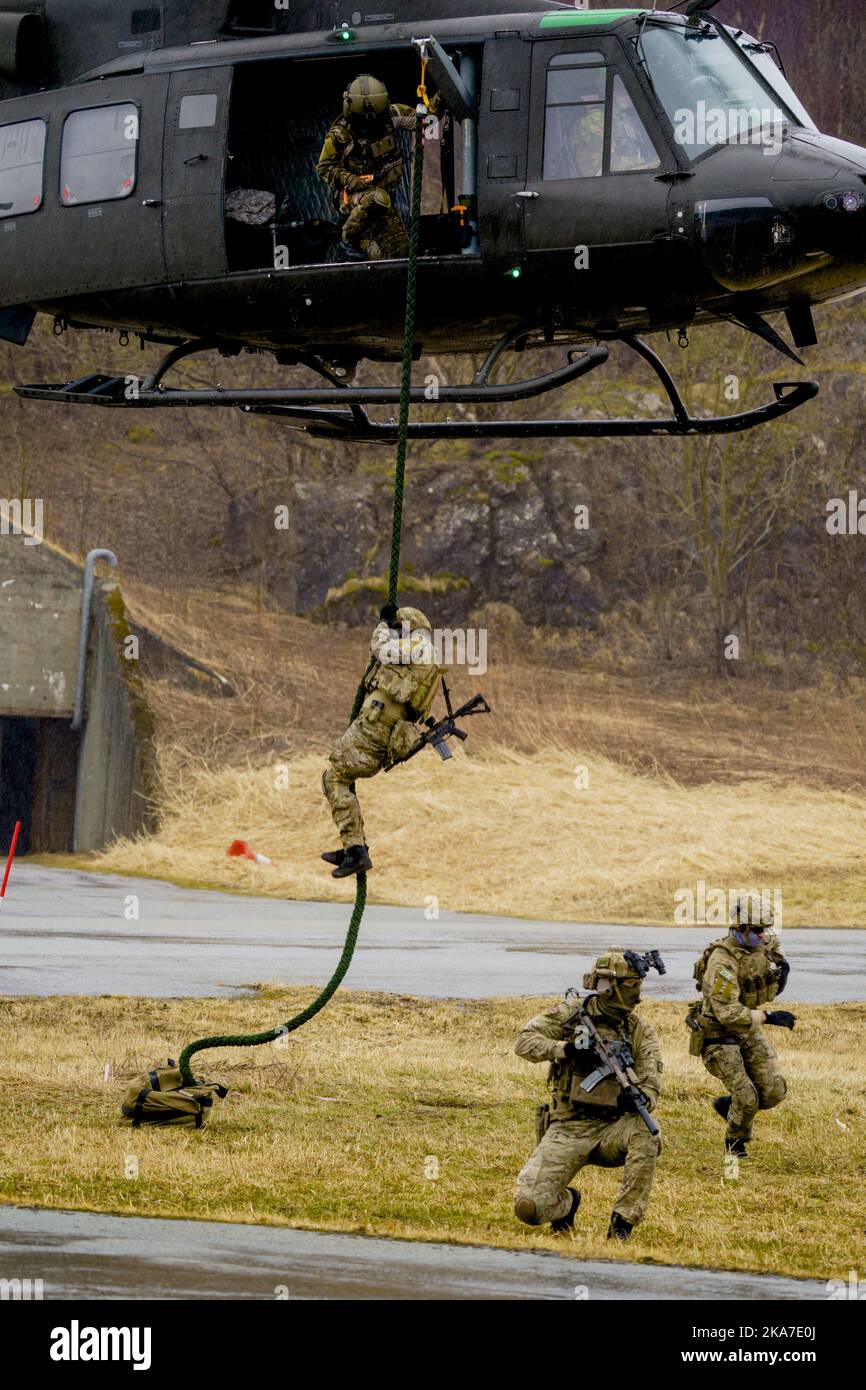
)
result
[(282, 1029)]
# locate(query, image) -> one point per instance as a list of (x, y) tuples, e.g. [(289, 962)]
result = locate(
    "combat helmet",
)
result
[(415, 618), (751, 910), (616, 978), (366, 103)]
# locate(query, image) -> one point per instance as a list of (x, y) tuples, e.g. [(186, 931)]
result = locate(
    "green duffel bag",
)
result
[(159, 1099)]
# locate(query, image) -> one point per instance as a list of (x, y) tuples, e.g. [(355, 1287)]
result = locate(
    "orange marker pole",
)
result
[(12, 848)]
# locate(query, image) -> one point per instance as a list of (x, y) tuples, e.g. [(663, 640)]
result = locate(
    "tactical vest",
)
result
[(567, 1094), (400, 686), (374, 157), (756, 976)]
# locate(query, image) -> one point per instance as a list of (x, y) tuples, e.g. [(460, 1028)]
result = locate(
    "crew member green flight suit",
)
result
[(362, 161)]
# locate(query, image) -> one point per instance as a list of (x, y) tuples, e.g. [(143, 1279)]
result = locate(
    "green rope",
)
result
[(259, 1039)]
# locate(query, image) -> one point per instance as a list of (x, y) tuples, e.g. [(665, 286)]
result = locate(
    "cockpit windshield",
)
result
[(711, 91), (760, 54)]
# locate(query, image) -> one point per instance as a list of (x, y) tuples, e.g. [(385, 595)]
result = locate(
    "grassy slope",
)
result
[(689, 779), (333, 1132)]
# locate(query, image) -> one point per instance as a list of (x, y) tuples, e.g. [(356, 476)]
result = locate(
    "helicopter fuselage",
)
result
[(586, 202)]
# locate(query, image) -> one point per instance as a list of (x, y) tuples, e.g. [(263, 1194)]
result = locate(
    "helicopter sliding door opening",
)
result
[(278, 211)]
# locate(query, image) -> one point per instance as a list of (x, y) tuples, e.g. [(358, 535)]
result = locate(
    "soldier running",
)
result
[(736, 976), (597, 1127), (401, 683), (362, 162)]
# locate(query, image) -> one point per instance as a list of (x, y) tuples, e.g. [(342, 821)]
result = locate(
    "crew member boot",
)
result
[(566, 1223), (347, 252), (355, 861)]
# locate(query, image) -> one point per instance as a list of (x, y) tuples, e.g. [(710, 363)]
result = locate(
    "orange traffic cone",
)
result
[(240, 849)]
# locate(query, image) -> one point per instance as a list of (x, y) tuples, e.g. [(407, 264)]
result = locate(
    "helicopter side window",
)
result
[(631, 148), (574, 118), (22, 157), (198, 111), (583, 106), (99, 154)]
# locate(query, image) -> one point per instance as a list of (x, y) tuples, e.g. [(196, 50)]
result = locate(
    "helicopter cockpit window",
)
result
[(98, 155), (579, 98), (709, 90), (630, 145), (22, 154), (761, 55)]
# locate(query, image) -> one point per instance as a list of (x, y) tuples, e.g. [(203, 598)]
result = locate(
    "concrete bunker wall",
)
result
[(71, 791)]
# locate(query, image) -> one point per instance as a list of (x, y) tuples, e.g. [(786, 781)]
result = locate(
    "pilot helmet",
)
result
[(366, 104)]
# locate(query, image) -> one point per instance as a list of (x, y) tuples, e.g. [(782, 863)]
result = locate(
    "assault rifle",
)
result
[(438, 733), (616, 1060)]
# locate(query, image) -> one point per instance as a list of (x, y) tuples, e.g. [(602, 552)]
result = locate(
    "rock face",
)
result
[(515, 533)]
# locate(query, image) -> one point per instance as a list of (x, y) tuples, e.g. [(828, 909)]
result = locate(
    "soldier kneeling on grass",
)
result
[(737, 975), (600, 1126)]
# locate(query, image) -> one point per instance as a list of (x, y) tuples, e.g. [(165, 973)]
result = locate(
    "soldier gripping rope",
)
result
[(605, 1077), (400, 684), (736, 976), (362, 162)]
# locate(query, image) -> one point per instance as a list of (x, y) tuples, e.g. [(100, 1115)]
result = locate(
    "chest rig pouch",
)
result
[(568, 1077), (759, 983)]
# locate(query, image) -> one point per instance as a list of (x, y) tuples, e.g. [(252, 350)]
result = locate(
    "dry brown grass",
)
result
[(735, 786), (334, 1131), (509, 833)]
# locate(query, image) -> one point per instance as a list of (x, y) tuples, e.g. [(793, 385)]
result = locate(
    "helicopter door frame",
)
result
[(620, 217), (196, 141)]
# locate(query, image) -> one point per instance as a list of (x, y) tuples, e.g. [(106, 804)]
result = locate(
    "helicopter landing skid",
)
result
[(319, 410)]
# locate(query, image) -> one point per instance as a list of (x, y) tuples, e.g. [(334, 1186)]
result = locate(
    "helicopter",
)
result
[(597, 175)]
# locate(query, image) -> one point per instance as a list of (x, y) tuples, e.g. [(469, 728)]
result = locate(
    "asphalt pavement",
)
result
[(66, 932), (88, 1255)]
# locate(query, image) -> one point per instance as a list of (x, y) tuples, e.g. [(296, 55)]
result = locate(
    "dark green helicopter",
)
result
[(599, 174)]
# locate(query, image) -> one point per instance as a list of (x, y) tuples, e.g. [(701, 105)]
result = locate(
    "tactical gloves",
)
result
[(389, 614), (570, 1052), (782, 976), (781, 1019)]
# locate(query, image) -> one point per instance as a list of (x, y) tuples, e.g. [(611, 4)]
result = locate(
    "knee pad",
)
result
[(382, 198), (526, 1211), (776, 1095)]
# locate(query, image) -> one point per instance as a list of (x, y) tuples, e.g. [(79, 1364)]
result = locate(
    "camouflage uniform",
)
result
[(401, 684), (735, 981), (372, 220), (587, 1127)]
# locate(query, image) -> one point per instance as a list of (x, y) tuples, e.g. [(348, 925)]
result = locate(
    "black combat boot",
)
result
[(335, 857), (347, 252), (737, 1147), (619, 1228), (566, 1223), (355, 861), (722, 1105)]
